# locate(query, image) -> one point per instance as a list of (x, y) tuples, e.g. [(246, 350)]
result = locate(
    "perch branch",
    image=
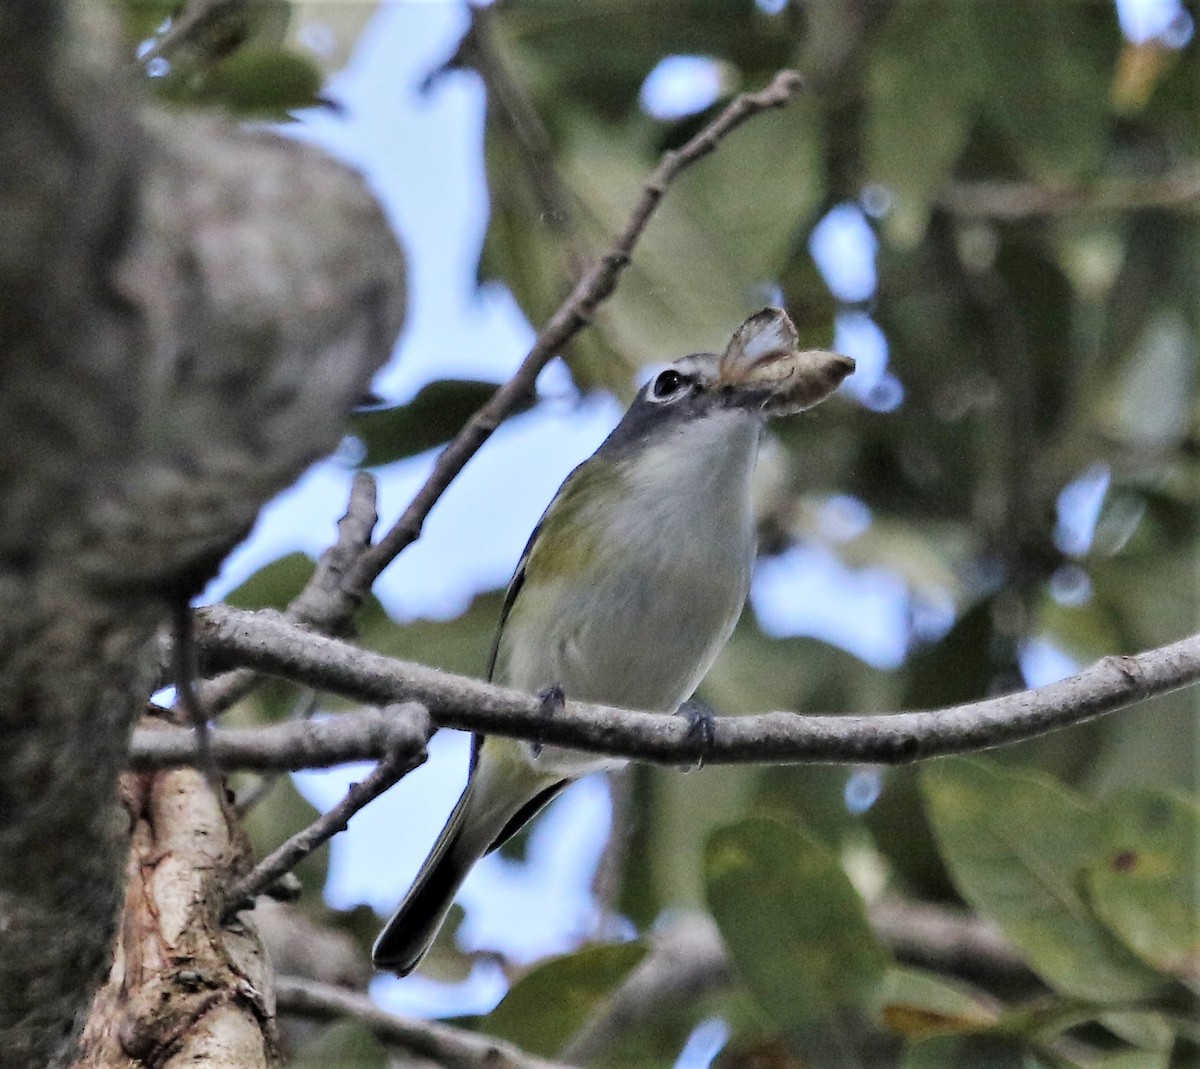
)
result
[(270, 645)]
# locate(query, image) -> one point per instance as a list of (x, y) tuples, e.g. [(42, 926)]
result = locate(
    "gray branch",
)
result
[(262, 641), (285, 857), (1177, 189), (451, 1047), (364, 735)]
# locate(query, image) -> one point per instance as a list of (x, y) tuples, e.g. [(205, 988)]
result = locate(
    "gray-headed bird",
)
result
[(628, 589)]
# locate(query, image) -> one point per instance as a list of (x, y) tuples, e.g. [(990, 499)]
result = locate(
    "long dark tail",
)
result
[(411, 930), (483, 819)]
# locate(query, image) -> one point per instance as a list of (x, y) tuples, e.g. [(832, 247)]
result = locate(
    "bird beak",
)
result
[(762, 367)]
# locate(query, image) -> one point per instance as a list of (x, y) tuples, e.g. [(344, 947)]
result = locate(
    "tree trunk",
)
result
[(187, 311)]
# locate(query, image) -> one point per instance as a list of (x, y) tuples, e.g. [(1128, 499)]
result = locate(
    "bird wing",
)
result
[(510, 599)]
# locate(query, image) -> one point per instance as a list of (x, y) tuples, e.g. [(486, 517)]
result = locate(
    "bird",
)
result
[(628, 588)]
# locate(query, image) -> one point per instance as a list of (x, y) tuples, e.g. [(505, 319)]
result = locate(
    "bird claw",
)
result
[(553, 700), (701, 730)]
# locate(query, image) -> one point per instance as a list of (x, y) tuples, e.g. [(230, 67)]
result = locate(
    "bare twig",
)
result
[(454, 1048), (1027, 200), (363, 735), (327, 603), (289, 854), (597, 283), (275, 647)]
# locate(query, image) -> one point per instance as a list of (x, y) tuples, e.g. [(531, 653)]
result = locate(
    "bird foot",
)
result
[(553, 700), (702, 729)]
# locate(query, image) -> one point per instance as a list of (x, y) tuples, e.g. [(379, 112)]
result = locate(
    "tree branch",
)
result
[(268, 644), (576, 312), (289, 854), (365, 735), (688, 961), (1014, 201), (327, 603), (453, 1048)]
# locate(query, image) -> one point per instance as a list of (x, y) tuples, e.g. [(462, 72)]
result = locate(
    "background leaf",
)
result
[(436, 414), (549, 1004), (796, 930), (1016, 844), (1145, 881)]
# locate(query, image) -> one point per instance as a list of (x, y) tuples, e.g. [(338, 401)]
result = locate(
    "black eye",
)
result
[(669, 384)]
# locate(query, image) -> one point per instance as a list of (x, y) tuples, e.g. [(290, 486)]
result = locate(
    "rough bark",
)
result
[(183, 988), (187, 310)]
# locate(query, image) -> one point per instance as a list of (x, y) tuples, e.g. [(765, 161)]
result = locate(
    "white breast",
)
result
[(662, 593)]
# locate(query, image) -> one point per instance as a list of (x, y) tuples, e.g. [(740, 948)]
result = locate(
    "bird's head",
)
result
[(762, 373)]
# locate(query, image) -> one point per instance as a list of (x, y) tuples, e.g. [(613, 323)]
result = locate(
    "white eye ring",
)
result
[(669, 385)]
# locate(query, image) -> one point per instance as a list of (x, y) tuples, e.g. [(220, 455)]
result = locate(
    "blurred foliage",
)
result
[(261, 59), (1037, 341), (548, 1005)]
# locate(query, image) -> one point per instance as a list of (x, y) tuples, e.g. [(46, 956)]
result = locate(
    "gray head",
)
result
[(761, 373)]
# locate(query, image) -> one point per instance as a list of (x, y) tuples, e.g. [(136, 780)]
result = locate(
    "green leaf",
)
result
[(142, 18), (548, 1005), (919, 1005), (344, 1045), (917, 125), (1015, 843), (1135, 1059), (262, 81), (1145, 884), (795, 928), (1149, 1031), (274, 586), (970, 1052), (1048, 69), (434, 416)]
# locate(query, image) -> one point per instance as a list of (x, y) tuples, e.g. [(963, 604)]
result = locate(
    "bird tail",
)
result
[(410, 932), (500, 797)]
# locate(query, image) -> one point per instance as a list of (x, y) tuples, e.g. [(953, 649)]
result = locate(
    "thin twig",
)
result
[(454, 1048), (327, 603), (597, 283), (289, 854), (275, 647)]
